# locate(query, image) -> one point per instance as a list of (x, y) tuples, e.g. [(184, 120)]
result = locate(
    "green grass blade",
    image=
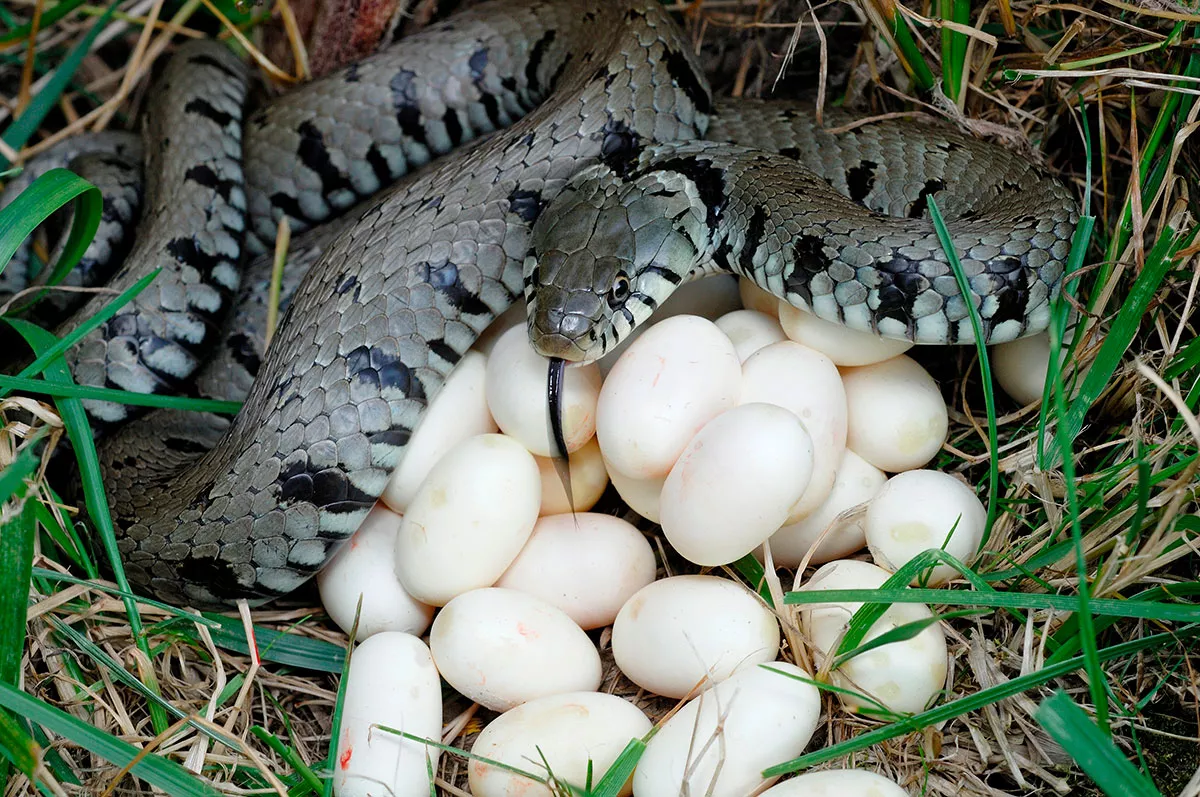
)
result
[(290, 649), (73, 391), (155, 770), (1091, 748), (18, 746), (38, 202), (50, 16)]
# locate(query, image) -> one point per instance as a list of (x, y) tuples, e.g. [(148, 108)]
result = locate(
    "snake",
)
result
[(592, 174)]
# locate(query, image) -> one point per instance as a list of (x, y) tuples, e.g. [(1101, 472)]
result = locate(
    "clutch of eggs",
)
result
[(740, 425)]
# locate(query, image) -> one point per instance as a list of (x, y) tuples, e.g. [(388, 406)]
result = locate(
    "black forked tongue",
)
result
[(554, 397)]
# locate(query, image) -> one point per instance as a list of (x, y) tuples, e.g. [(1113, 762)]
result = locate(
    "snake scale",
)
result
[(596, 175)]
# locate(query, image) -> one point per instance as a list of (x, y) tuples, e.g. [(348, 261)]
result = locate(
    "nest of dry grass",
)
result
[(1083, 78)]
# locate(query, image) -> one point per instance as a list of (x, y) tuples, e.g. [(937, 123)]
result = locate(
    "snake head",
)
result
[(604, 255)]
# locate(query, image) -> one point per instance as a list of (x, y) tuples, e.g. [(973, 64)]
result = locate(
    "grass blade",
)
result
[(38, 202)]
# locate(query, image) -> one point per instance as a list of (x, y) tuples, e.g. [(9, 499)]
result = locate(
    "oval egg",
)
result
[(897, 419), (673, 634), (755, 298), (588, 565), (516, 383), (469, 519), (567, 732), (837, 783), (839, 343), (1021, 367), (588, 478), (501, 648), (735, 483), (750, 330), (643, 496), (675, 378)]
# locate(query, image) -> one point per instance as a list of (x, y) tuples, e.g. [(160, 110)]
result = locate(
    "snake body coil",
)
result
[(604, 98)]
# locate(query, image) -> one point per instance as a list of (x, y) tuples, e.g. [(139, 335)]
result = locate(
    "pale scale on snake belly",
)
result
[(209, 510)]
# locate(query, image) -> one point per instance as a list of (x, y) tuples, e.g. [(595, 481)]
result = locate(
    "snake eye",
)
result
[(619, 292)]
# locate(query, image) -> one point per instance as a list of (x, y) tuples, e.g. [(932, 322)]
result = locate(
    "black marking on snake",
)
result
[(379, 165), (186, 251), (203, 174), (898, 288), (491, 106), (396, 437), (1013, 296), (185, 446), (244, 352), (444, 350), (620, 145), (681, 71), (259, 119), (633, 14), (809, 259), (754, 235), (509, 84), (351, 73), (434, 201), (204, 59), (454, 128), (709, 181), (647, 300), (922, 202), (605, 74), (444, 278), (346, 284), (202, 107), (477, 63), (790, 152), (290, 206), (315, 156), (536, 54), (404, 104), (528, 205), (861, 179)]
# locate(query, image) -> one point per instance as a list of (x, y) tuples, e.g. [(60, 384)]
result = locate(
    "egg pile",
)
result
[(740, 425)]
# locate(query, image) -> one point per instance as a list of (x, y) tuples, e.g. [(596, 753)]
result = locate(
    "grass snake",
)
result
[(596, 174)]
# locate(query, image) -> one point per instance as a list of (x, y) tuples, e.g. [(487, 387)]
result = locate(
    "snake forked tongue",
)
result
[(554, 396)]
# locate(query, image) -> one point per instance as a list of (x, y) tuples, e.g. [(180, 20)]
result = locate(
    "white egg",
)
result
[(516, 315), (720, 742), (857, 481), (565, 733), (391, 682), (673, 634), (457, 412), (501, 648), (841, 344), (922, 509), (588, 565), (755, 298), (808, 384), (897, 418), (708, 297), (363, 568), (735, 483), (1021, 366), (837, 783), (469, 519), (516, 395), (903, 676), (588, 480), (677, 377), (750, 330), (643, 496)]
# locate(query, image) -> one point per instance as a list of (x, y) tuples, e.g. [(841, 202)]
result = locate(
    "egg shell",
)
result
[(564, 731), (678, 376), (905, 675), (807, 383), (857, 482), (917, 510), (837, 783), (586, 564), (501, 648), (735, 483), (588, 480), (723, 739), (363, 568), (755, 298), (708, 297), (515, 316), (897, 419), (750, 330), (1021, 366), (676, 631), (391, 682), (457, 412), (841, 344), (469, 519), (515, 386), (643, 496)]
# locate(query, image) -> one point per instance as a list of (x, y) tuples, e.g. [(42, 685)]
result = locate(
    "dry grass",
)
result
[(1121, 58)]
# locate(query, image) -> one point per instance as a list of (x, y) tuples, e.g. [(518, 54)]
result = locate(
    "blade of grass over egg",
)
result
[(984, 697), (1092, 749), (985, 367), (45, 196), (756, 577), (902, 633), (619, 773), (8, 384), (158, 771), (25, 125), (84, 443)]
